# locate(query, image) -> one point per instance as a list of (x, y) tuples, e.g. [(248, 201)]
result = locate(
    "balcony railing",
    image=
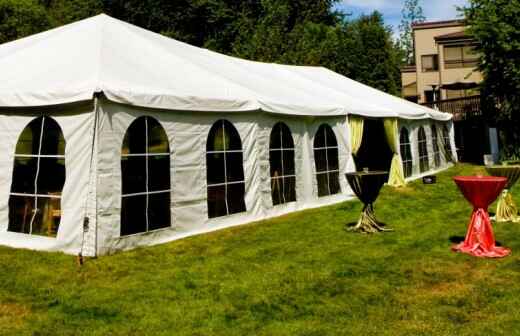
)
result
[(461, 108)]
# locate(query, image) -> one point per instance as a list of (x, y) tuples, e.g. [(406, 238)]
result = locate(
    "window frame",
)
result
[(424, 157), (282, 127), (326, 149), (435, 146), (446, 141), (147, 193), (462, 61), (407, 160), (435, 63), (35, 195)]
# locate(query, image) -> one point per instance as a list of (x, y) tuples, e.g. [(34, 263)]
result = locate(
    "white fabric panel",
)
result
[(77, 125), (137, 67)]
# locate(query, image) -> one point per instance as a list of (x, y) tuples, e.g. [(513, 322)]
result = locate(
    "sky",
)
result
[(434, 10)]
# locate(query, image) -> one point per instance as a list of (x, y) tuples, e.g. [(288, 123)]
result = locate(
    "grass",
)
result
[(301, 274)]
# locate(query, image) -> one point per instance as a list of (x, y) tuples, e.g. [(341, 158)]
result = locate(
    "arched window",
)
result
[(436, 151), (145, 171), (446, 143), (38, 179), (423, 151), (281, 160), (225, 172), (326, 160), (406, 152)]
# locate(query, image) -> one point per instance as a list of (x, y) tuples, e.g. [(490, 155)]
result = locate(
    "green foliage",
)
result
[(411, 13), (495, 24), (299, 32), (300, 274), (20, 18)]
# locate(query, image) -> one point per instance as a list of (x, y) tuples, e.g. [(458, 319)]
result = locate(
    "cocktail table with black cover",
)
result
[(366, 185)]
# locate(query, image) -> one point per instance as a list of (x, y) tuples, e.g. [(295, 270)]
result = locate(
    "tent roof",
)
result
[(134, 66)]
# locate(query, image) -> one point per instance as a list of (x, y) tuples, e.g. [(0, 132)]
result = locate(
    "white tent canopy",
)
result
[(137, 67)]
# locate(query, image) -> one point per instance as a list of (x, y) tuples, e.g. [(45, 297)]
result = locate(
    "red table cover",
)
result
[(480, 191)]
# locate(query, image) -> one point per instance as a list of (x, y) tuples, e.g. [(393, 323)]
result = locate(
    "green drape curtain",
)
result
[(396, 177), (356, 133)]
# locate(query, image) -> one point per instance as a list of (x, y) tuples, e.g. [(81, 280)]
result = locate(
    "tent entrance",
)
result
[(374, 152)]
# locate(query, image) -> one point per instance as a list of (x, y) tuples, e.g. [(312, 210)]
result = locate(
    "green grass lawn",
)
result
[(301, 274)]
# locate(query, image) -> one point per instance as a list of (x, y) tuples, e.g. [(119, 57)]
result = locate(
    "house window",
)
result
[(38, 179), (225, 172), (281, 160), (446, 143), (423, 151), (326, 160), (145, 171), (430, 63), (406, 152), (460, 57), (436, 152)]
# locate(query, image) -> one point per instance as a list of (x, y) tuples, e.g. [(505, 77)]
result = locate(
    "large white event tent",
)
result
[(114, 137)]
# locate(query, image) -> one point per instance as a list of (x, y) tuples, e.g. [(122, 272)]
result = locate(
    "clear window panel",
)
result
[(157, 139), (215, 168), (53, 142), (133, 170), (159, 211), (275, 140), (332, 156), (216, 138), (234, 167), (217, 201), (320, 159), (287, 140), (159, 173), (21, 209), (319, 138), (277, 190), (233, 141), (288, 162), (275, 161), (24, 174), (135, 137), (323, 186), (334, 183), (29, 139), (235, 196), (331, 137), (290, 189), (48, 216), (133, 215), (51, 177)]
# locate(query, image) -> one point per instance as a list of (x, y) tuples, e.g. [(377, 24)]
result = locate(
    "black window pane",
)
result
[(234, 165), (21, 209), (215, 168), (157, 139), (159, 173), (133, 214), (135, 137), (320, 160), (235, 196), (323, 184), (332, 157), (277, 190), (48, 216), (133, 170), (24, 174), (217, 201), (331, 137), (275, 161), (288, 162), (51, 177), (53, 142), (216, 138), (275, 140), (233, 141), (290, 189), (334, 183), (159, 211), (319, 138), (287, 140), (29, 139)]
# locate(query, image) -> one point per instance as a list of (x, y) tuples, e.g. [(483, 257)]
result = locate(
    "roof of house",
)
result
[(461, 35), (438, 24)]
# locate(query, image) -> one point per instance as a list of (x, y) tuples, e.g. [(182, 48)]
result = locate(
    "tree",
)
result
[(411, 13), (495, 24), (20, 18)]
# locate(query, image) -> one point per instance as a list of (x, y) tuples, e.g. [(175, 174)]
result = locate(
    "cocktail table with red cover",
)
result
[(481, 191)]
